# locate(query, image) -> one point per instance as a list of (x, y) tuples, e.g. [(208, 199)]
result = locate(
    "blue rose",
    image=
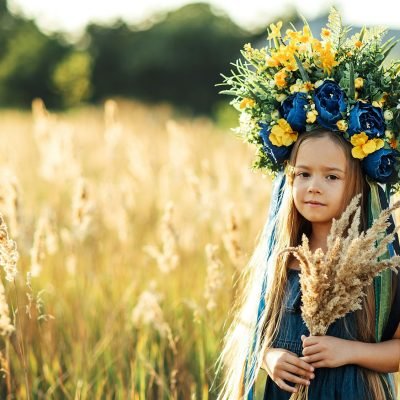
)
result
[(277, 153), (379, 165), (330, 102), (292, 109), (364, 117)]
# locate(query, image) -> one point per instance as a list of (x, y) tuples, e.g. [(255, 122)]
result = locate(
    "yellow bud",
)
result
[(311, 116), (359, 83), (342, 125)]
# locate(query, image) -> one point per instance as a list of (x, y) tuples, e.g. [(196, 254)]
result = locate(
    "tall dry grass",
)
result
[(132, 227)]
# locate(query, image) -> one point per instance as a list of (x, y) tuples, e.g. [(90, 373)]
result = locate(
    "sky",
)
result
[(71, 16)]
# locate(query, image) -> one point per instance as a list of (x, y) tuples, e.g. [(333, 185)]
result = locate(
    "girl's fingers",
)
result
[(310, 350), (309, 340), (284, 386), (287, 376), (320, 364), (314, 358), (298, 371), (300, 363)]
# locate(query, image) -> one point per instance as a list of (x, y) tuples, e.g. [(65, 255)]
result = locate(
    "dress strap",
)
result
[(394, 316)]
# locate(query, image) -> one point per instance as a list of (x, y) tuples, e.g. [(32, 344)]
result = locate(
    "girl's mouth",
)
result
[(314, 204)]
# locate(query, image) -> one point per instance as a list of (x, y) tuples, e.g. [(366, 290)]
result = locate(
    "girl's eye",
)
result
[(306, 175), (303, 174)]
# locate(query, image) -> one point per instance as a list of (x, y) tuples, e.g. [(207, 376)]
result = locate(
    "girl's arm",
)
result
[(331, 352), (380, 357)]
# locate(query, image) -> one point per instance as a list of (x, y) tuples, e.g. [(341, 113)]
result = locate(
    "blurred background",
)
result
[(172, 51), (132, 205)]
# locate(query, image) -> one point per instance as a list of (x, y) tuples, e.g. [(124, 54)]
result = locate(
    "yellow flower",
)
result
[(358, 43), (284, 55), (316, 45), (280, 78), (308, 86), (364, 146), (342, 125), (292, 36), (381, 101), (291, 66), (272, 62), (246, 102), (358, 83), (394, 143), (311, 116), (282, 134), (325, 33), (327, 58), (275, 30), (295, 88), (306, 36), (359, 139)]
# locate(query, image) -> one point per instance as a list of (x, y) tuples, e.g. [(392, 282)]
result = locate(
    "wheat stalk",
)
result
[(333, 284)]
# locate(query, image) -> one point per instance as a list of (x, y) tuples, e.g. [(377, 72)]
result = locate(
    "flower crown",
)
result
[(339, 83)]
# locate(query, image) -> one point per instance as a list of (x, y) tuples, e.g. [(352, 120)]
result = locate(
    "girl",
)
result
[(346, 364), (322, 177), (324, 115)]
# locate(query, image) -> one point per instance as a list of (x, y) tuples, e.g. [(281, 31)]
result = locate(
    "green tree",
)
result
[(178, 59), (26, 65), (72, 78)]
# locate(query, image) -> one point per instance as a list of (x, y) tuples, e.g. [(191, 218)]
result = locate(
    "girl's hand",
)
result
[(326, 351), (283, 365)]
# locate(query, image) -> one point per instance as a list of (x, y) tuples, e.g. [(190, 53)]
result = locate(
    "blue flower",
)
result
[(277, 154), (380, 165), (365, 117), (292, 110), (330, 102)]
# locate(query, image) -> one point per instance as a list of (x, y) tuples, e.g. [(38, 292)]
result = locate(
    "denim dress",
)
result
[(342, 383)]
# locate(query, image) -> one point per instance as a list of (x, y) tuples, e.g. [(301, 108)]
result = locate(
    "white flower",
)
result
[(388, 115), (388, 134), (280, 97), (318, 83), (275, 115), (245, 123)]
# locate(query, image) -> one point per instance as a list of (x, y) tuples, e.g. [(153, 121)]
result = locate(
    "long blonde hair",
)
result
[(290, 226)]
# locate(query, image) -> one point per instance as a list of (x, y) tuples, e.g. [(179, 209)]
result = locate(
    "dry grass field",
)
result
[(132, 226)]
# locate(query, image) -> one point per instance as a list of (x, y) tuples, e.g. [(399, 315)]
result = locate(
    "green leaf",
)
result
[(362, 33), (351, 93), (303, 72), (335, 25), (388, 46)]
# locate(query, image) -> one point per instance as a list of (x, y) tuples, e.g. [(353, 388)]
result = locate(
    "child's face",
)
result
[(319, 176)]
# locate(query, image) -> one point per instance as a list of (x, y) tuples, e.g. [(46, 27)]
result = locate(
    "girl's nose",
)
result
[(314, 186)]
